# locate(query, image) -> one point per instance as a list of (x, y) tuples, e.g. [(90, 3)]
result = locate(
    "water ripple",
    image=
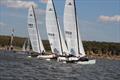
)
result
[(15, 66)]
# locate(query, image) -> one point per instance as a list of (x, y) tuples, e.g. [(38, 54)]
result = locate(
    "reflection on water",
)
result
[(18, 67)]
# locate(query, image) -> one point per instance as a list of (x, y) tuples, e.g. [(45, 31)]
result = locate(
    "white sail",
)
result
[(72, 34), (82, 51), (12, 37), (28, 45), (36, 42), (23, 48), (41, 44), (11, 40), (64, 46), (53, 30)]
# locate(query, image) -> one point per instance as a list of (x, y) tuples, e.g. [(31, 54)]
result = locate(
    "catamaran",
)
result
[(56, 40), (34, 35), (72, 35)]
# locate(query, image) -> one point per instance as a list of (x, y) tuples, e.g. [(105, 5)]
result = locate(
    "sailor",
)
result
[(83, 58), (43, 52)]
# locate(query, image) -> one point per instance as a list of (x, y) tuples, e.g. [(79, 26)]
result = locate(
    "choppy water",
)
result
[(17, 67)]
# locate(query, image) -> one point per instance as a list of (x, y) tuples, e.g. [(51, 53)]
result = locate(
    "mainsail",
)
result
[(36, 42), (71, 28), (55, 37)]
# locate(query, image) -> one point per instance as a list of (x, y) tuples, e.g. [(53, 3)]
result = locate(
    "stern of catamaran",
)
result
[(82, 55)]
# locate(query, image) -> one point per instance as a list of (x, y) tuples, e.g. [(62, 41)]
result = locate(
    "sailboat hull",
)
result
[(87, 62), (46, 56), (75, 60)]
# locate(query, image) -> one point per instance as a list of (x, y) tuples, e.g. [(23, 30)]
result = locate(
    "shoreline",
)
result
[(112, 57), (93, 56)]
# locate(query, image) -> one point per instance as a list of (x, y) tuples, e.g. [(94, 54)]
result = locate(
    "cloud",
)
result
[(44, 1), (17, 3), (115, 18), (2, 24)]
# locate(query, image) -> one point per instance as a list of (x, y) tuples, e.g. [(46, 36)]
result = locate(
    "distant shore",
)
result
[(93, 49), (93, 56), (112, 57)]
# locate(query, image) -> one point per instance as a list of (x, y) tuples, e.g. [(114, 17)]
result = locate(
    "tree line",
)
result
[(91, 47)]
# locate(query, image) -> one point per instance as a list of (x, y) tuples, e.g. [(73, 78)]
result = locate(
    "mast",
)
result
[(36, 28), (11, 40), (76, 26), (58, 27)]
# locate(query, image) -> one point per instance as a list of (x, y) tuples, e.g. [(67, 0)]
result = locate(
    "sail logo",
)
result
[(50, 9), (30, 25), (69, 3), (31, 15)]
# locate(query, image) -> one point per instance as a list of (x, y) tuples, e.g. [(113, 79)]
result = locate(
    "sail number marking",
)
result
[(51, 34), (68, 32), (30, 25)]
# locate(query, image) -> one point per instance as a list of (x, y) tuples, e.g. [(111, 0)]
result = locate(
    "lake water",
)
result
[(18, 67)]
